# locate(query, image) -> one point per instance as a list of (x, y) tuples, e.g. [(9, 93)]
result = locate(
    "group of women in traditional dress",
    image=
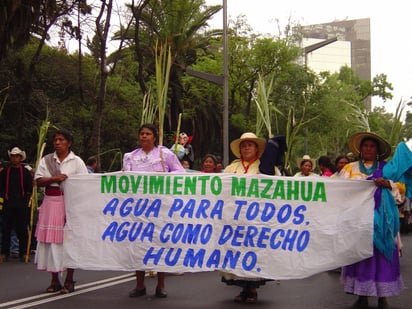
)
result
[(377, 276)]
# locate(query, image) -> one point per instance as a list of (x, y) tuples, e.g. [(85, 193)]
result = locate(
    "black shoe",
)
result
[(137, 293), (382, 303), (161, 293), (361, 303)]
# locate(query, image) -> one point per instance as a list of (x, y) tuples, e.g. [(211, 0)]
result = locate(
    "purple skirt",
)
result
[(375, 276)]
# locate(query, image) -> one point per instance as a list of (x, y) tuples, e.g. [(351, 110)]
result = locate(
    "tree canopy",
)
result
[(98, 93)]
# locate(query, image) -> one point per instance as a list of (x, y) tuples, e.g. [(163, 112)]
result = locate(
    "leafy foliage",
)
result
[(317, 112)]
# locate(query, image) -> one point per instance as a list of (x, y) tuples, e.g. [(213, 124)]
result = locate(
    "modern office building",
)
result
[(352, 48)]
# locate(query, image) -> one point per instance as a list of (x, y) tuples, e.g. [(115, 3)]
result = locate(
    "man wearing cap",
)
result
[(16, 186)]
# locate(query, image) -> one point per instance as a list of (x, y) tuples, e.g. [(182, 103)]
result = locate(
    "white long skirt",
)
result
[(49, 257)]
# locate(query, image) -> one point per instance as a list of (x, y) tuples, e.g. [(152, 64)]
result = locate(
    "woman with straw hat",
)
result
[(378, 275), (306, 165), (248, 149)]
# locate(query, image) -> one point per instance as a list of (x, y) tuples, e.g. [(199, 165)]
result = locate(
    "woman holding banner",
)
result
[(378, 275), (150, 158), (248, 149), (53, 169)]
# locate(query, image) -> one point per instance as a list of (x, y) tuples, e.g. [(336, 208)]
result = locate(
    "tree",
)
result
[(102, 33), (17, 21), (178, 24)]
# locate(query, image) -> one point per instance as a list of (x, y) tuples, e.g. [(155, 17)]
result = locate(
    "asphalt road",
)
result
[(22, 286)]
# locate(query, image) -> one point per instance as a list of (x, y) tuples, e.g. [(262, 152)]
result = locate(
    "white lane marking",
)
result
[(56, 296)]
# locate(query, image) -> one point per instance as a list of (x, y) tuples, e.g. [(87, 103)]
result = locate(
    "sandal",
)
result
[(241, 297), (137, 293), (68, 287), (54, 287), (251, 298), (161, 293)]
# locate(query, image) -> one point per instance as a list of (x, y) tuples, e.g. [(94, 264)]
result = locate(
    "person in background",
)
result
[(150, 158), (52, 171), (340, 162), (219, 164), (209, 164), (306, 165), (183, 149), (14, 241), (248, 149), (185, 163), (186, 141), (379, 275), (325, 166), (16, 186), (91, 165)]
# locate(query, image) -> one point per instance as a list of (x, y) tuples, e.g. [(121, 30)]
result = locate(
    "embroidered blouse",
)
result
[(160, 159)]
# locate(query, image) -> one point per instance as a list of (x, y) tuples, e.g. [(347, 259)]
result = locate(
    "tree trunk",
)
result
[(102, 34)]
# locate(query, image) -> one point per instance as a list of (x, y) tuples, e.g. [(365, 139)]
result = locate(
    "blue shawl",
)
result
[(399, 168), (386, 217)]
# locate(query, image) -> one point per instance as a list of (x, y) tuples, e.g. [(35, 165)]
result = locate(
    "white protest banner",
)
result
[(249, 225)]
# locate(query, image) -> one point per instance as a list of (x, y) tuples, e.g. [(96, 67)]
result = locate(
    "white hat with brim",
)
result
[(356, 139), (306, 158), (248, 136), (16, 151)]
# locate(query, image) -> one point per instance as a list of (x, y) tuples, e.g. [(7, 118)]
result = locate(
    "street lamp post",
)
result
[(306, 50), (225, 89), (221, 80)]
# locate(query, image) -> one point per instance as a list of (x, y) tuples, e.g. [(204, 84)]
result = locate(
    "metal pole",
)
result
[(306, 51), (225, 89)]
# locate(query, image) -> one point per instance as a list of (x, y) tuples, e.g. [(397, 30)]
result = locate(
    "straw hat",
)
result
[(306, 158), (356, 139), (248, 136), (17, 151)]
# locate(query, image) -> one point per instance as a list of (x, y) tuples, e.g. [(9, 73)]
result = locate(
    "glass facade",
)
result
[(353, 47)]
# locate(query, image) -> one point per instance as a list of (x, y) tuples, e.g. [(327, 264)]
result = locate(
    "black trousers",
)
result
[(16, 218)]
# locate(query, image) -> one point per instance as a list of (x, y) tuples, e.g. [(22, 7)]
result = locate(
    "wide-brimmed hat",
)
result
[(17, 151), (356, 139), (306, 158), (248, 136)]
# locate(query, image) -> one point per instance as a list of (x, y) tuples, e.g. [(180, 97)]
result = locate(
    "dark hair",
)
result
[(209, 155), (91, 161), (338, 158), (152, 128), (66, 133), (326, 162)]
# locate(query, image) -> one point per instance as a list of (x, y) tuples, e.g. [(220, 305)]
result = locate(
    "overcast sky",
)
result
[(391, 37)]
